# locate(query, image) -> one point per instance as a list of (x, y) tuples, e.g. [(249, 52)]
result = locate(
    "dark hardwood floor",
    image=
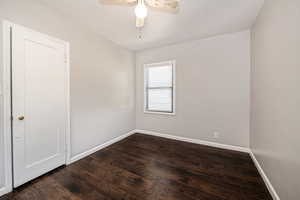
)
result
[(144, 167)]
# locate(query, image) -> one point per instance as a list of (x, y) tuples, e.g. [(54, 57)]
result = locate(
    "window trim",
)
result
[(146, 66)]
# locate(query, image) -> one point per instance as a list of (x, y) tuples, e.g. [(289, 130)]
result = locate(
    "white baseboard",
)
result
[(195, 141), (4, 191), (265, 178), (271, 189), (223, 146), (101, 146)]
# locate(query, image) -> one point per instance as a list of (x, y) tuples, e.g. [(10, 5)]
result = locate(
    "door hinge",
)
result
[(11, 118)]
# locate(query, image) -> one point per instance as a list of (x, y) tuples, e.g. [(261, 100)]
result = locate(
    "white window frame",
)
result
[(146, 66)]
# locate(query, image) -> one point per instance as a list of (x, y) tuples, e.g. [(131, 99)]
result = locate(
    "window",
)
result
[(160, 87)]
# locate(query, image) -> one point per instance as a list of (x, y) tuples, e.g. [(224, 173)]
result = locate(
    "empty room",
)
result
[(149, 99)]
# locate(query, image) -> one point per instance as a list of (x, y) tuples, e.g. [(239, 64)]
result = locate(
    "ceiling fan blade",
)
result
[(120, 2), (164, 5)]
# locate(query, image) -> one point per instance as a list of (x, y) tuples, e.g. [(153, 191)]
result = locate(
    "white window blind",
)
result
[(159, 87)]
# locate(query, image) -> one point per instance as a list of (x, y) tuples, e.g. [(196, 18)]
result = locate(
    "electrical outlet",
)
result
[(216, 134)]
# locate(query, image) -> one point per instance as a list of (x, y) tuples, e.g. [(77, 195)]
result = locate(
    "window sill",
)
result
[(160, 113)]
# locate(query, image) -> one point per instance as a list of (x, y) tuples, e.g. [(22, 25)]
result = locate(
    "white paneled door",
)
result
[(39, 104)]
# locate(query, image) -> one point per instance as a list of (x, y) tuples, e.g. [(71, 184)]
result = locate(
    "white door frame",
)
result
[(6, 91)]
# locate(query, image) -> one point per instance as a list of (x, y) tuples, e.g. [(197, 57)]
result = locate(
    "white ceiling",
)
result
[(196, 19)]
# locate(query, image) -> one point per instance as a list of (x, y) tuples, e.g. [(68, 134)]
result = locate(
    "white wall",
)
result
[(275, 97), (102, 76), (2, 178), (212, 89)]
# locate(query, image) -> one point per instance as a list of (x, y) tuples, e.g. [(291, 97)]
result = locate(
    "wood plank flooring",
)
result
[(143, 167)]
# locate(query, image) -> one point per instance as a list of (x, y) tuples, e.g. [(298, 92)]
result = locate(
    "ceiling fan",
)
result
[(141, 7)]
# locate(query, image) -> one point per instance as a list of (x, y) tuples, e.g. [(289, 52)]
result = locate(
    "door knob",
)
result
[(21, 118)]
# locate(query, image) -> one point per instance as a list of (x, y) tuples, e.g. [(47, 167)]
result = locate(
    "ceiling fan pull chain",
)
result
[(140, 33)]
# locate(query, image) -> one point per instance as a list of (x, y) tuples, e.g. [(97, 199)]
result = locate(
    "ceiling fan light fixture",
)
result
[(141, 10), (140, 22)]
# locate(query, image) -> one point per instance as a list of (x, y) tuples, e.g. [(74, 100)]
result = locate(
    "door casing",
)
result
[(6, 92)]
